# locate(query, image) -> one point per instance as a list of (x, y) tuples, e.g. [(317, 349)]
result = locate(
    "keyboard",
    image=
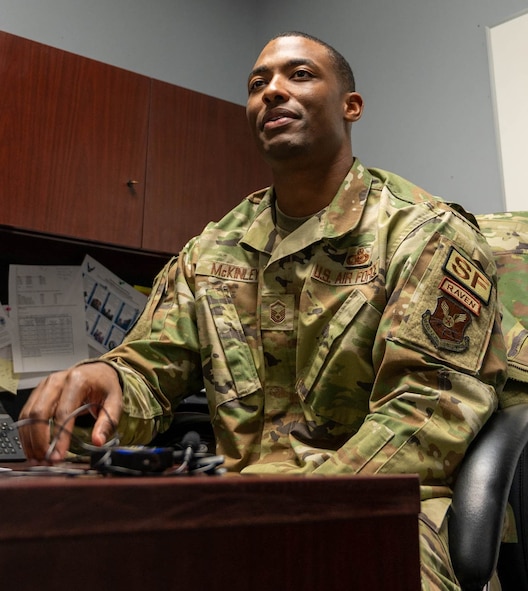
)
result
[(10, 446)]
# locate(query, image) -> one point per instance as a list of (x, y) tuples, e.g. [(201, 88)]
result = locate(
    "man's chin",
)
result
[(281, 148)]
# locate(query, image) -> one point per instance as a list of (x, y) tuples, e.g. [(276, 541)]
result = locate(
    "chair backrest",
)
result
[(513, 558), (480, 497)]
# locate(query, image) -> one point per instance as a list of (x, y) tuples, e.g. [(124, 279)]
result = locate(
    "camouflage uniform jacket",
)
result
[(366, 341), (507, 235)]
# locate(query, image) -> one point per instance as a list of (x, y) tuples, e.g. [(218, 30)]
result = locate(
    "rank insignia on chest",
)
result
[(277, 312), (446, 326)]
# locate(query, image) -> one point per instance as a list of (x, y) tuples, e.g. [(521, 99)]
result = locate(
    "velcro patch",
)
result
[(343, 276), (444, 317), (358, 256), (468, 275), (233, 272), (277, 312), (446, 326), (463, 296)]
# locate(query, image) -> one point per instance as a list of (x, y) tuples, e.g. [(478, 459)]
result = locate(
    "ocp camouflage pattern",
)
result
[(507, 234), (366, 341)]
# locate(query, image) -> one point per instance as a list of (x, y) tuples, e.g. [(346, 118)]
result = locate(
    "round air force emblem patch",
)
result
[(447, 324)]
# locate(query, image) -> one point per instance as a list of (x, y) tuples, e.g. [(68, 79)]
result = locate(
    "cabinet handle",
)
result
[(131, 183)]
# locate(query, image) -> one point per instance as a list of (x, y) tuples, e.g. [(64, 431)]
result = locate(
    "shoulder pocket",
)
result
[(451, 309)]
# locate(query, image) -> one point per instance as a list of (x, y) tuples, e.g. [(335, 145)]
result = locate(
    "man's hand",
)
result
[(59, 395)]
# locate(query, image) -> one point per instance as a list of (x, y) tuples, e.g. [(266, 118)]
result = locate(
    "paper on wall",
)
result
[(61, 315), (47, 313), (112, 305)]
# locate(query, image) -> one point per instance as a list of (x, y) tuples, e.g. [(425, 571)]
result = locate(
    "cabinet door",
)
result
[(74, 133), (201, 162)]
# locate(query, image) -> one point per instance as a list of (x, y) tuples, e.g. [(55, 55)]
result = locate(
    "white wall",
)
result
[(204, 45), (422, 67), (509, 66)]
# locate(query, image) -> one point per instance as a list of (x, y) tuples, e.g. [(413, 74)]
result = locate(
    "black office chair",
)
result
[(492, 471), (513, 558)]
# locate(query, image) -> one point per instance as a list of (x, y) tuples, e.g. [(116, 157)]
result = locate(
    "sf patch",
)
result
[(468, 275)]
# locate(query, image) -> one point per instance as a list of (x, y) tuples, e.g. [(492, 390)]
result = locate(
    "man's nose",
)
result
[(275, 90)]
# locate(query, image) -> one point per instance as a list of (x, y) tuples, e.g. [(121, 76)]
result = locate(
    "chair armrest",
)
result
[(480, 496)]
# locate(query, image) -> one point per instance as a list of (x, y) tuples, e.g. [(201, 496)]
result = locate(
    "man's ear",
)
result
[(353, 106)]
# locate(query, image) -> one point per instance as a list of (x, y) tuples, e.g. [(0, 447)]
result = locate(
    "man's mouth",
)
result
[(277, 118)]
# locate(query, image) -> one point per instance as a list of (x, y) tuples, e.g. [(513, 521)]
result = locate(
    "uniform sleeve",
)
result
[(439, 359), (158, 362), (507, 234)]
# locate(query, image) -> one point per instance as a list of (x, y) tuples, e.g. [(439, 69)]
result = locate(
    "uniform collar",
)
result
[(340, 216)]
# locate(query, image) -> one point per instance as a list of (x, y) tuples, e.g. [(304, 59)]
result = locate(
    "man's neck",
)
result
[(301, 192)]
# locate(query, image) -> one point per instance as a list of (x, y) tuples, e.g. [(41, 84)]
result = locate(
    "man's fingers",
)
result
[(60, 398), (34, 439), (34, 429), (108, 418)]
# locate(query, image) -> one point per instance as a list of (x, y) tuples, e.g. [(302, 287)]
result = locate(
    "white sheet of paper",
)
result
[(47, 317), (5, 328), (112, 305)]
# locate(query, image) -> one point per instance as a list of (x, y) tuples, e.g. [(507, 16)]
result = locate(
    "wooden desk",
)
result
[(209, 533)]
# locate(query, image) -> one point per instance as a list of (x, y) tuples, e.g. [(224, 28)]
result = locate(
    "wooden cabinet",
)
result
[(74, 132), (201, 162), (95, 152)]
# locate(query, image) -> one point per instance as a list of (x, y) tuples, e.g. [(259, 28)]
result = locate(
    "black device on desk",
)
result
[(10, 446), (10, 407)]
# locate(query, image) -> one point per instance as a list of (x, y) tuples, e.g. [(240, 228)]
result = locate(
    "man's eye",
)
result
[(302, 74), (256, 84)]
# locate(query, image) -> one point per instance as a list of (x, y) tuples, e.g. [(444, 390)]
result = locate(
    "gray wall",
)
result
[(204, 45), (422, 66)]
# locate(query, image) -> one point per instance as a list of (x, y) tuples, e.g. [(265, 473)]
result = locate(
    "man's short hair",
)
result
[(343, 69)]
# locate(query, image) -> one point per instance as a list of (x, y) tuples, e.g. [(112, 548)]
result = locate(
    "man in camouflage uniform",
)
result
[(343, 321)]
